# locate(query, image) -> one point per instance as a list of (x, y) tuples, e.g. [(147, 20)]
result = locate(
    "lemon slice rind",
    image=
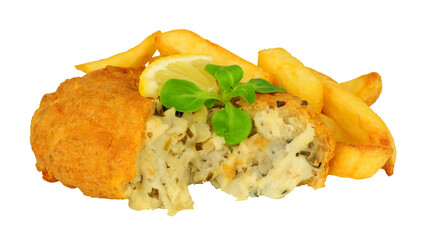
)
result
[(183, 66)]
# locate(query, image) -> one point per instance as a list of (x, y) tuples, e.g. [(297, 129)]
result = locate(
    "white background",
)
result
[(41, 42)]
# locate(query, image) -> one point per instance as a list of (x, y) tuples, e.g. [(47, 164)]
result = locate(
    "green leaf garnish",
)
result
[(245, 91), (184, 96), (263, 86), (231, 123), (227, 77), (212, 69), (211, 103)]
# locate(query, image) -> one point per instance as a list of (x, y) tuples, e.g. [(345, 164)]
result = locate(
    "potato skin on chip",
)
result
[(292, 75), (186, 42), (358, 161), (135, 57)]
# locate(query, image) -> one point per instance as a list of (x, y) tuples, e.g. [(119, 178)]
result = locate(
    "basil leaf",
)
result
[(229, 76), (263, 86), (212, 69), (245, 91), (232, 123), (184, 96)]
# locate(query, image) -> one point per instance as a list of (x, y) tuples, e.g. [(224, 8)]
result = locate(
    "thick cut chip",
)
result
[(357, 119), (356, 157), (367, 87), (135, 57), (358, 161), (340, 134), (292, 75), (320, 75), (187, 42)]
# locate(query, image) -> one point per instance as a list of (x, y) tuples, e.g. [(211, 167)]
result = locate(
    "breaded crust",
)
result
[(88, 133), (292, 105)]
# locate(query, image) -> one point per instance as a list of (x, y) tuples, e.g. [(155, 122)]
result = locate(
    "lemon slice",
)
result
[(184, 67)]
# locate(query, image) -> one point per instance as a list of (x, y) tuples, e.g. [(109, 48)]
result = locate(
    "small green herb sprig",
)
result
[(231, 123)]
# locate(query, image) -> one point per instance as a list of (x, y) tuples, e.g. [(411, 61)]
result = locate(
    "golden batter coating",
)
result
[(88, 133)]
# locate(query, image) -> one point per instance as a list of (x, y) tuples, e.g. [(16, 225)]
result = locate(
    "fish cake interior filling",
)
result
[(281, 153)]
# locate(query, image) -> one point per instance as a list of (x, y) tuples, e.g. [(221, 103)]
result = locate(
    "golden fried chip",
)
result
[(292, 75), (367, 87), (357, 119), (320, 75), (358, 161), (340, 134), (186, 42), (135, 57)]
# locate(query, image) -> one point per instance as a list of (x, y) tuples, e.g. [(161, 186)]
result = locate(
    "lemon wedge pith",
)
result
[(184, 67)]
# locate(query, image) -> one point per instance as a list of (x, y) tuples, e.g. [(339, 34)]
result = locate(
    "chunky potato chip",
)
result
[(357, 119), (340, 134), (135, 57), (320, 75), (292, 75), (187, 42), (367, 87), (358, 161)]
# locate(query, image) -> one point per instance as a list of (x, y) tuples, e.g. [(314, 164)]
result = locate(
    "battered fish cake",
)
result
[(98, 134), (88, 133)]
